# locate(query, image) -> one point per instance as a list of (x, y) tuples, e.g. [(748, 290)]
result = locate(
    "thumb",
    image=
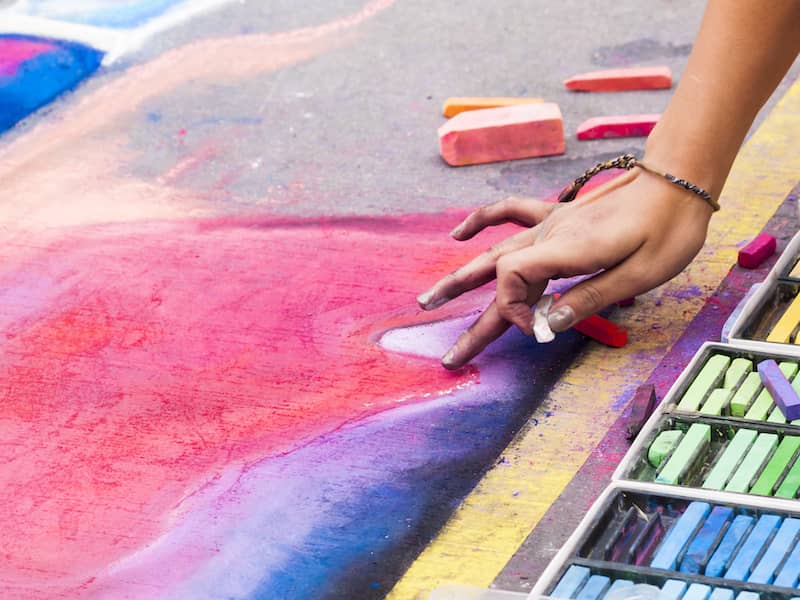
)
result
[(594, 294)]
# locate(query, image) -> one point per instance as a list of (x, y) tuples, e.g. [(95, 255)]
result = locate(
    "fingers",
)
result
[(628, 279), (489, 326), (476, 273), (522, 211)]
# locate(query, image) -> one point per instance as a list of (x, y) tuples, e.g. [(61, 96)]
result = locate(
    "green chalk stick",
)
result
[(776, 467), (776, 416), (745, 394), (664, 443), (709, 377), (736, 373), (688, 454), (717, 402), (759, 453), (729, 460), (764, 403), (790, 484)]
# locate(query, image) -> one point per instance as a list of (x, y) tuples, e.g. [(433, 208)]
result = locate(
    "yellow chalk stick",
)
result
[(453, 106), (782, 332)]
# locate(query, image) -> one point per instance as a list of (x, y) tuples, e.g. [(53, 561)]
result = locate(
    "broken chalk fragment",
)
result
[(757, 251), (617, 80), (662, 446), (642, 405), (780, 389), (541, 327), (613, 127), (454, 106), (507, 133)]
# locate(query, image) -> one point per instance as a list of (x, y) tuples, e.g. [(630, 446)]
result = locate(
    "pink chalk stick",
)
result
[(757, 251), (618, 80), (782, 392), (613, 127), (507, 133)]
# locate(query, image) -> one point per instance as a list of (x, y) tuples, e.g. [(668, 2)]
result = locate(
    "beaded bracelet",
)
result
[(629, 161)]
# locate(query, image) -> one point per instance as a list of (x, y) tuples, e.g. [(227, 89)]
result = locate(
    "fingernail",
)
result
[(457, 230), (449, 359), (427, 302), (561, 318)]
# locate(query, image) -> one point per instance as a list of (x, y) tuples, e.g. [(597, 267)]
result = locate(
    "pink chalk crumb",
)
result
[(619, 80), (757, 251), (613, 127), (507, 133)]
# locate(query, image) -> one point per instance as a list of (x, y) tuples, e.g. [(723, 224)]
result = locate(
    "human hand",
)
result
[(634, 233)]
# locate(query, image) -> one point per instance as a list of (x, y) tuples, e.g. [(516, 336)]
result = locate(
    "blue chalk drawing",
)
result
[(119, 14)]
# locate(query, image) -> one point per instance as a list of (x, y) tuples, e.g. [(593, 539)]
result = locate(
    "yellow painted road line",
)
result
[(492, 522)]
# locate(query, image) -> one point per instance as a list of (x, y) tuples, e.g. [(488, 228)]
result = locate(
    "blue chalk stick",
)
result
[(617, 585), (759, 536), (721, 594), (790, 572), (571, 582), (748, 596), (718, 562), (594, 588), (697, 591), (781, 545), (706, 540), (782, 392), (674, 588), (682, 531)]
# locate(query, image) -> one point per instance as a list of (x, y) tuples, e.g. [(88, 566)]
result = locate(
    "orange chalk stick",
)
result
[(618, 80), (507, 133), (454, 106), (612, 127)]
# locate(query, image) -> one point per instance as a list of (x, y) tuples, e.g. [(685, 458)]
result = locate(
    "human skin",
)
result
[(638, 230)]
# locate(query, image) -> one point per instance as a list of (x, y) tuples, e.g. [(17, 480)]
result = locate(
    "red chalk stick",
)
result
[(617, 80), (757, 251), (782, 392), (613, 127), (507, 133), (603, 331)]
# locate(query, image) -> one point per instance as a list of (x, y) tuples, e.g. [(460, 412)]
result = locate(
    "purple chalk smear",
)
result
[(780, 389)]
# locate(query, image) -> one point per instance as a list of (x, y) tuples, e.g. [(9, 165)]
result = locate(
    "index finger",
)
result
[(489, 326)]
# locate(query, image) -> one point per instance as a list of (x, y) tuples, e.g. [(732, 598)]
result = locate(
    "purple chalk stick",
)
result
[(780, 389)]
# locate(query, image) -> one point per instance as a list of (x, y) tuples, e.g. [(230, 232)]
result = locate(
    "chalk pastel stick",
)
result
[(717, 402), (674, 588), (620, 538), (456, 105), (618, 584), (759, 537), (646, 541), (617, 80), (783, 329), (603, 331), (776, 467), (595, 588), (776, 416), (571, 582), (757, 456), (729, 546), (748, 596), (618, 126), (736, 373), (757, 251), (721, 594), (678, 537), (780, 388), (508, 133), (790, 484), (642, 405), (779, 547), (705, 541), (706, 380), (730, 459), (697, 591), (795, 272), (687, 456), (765, 402), (664, 444), (745, 394), (789, 573)]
